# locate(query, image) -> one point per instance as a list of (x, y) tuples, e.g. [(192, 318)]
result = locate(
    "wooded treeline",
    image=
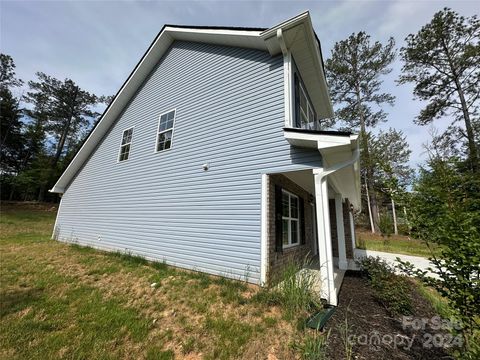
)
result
[(41, 130)]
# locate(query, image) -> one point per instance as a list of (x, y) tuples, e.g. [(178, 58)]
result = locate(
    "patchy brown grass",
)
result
[(64, 301)]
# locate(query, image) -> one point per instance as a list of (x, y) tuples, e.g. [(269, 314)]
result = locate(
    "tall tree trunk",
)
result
[(472, 148), (372, 199), (372, 226), (61, 142), (395, 228), (41, 192)]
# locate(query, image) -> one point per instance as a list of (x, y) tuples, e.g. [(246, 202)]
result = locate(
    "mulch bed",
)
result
[(375, 330)]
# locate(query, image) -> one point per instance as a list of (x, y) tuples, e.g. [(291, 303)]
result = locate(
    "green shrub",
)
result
[(361, 243), (385, 225), (391, 290), (445, 209)]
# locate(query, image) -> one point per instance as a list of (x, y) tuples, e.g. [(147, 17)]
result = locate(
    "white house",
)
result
[(212, 157)]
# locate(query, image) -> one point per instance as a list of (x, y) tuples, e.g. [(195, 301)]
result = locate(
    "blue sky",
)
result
[(97, 43)]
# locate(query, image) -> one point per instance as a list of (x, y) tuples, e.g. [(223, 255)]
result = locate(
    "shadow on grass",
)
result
[(13, 301)]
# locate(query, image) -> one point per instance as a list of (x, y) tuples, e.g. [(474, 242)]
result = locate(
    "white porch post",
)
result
[(352, 231), (324, 238), (342, 251)]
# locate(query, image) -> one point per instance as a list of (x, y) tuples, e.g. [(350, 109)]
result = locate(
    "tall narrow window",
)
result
[(305, 115), (124, 152), (165, 131), (290, 219)]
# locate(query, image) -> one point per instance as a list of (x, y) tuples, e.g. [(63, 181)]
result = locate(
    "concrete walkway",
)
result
[(418, 261)]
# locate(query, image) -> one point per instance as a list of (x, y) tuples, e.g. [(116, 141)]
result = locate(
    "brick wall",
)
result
[(277, 261)]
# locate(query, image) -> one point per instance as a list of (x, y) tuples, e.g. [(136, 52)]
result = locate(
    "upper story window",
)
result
[(165, 131), (290, 219), (305, 117), (126, 144)]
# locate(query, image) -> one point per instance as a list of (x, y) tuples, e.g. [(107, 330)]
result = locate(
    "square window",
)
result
[(164, 140)]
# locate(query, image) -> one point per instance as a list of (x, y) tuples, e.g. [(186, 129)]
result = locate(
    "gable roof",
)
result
[(296, 34)]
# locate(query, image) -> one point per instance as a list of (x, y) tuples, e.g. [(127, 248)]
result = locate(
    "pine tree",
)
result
[(443, 60), (12, 142), (354, 75), (63, 111)]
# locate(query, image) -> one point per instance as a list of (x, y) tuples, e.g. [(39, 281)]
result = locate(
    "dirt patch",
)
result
[(386, 337)]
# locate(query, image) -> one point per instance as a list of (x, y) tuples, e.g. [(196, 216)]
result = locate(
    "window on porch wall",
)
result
[(290, 219)]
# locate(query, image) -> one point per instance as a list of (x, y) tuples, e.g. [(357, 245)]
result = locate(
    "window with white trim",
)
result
[(125, 145), (290, 219), (165, 131), (305, 117)]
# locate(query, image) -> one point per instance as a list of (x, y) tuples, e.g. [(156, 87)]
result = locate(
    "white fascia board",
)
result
[(239, 38), (287, 24), (319, 65), (303, 22), (320, 141), (246, 33)]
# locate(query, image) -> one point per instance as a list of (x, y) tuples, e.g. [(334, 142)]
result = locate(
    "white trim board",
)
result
[(264, 231)]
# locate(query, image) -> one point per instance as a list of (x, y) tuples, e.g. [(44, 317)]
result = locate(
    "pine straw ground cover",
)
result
[(67, 301)]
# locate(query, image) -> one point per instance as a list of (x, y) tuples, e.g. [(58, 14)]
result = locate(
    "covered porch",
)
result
[(308, 214)]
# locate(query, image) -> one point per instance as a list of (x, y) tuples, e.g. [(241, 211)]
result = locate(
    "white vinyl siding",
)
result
[(164, 206)]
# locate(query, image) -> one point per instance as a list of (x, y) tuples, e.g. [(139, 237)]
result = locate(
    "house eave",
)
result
[(240, 37), (335, 148), (300, 39)]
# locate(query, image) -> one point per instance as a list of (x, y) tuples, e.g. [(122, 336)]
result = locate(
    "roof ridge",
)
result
[(216, 27)]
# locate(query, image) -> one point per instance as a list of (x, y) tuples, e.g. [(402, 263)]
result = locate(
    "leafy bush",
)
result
[(391, 290), (445, 209)]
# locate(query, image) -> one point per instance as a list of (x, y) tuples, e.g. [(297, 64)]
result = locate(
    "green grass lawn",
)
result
[(66, 301), (394, 244)]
